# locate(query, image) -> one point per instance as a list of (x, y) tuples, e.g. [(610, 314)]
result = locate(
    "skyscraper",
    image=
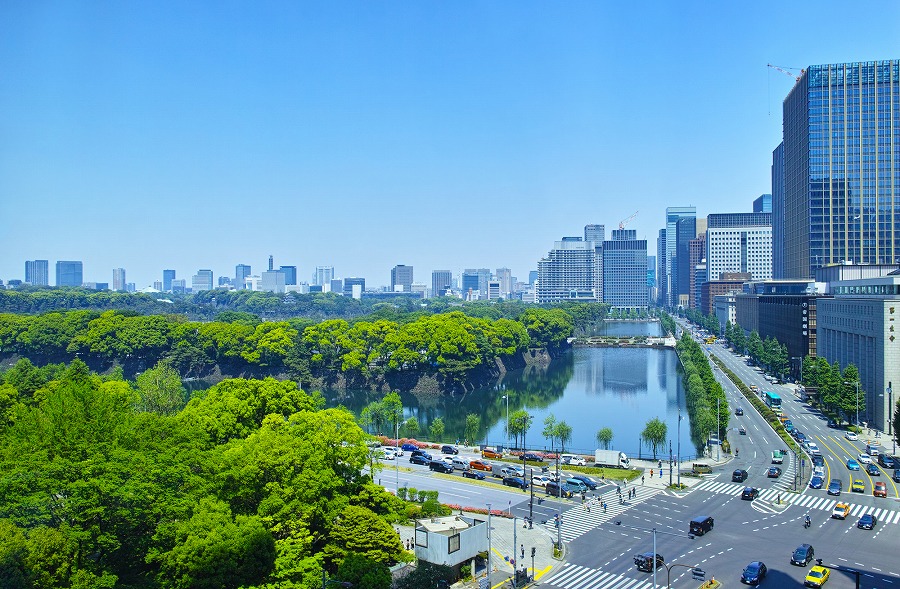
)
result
[(504, 275), (402, 276), (202, 280), (763, 204), (37, 272), (168, 277), (354, 287), (323, 275), (842, 166), (440, 282), (290, 274), (241, 272), (739, 243), (673, 214), (118, 279), (271, 263), (625, 271), (685, 231), (595, 233), (567, 273), (69, 273), (778, 212)]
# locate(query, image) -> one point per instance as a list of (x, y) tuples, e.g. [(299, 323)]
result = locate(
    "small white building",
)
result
[(451, 541)]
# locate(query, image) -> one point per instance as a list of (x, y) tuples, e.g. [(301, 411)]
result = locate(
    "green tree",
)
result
[(563, 434), (473, 426), (605, 437), (360, 531), (519, 424), (437, 429), (159, 390), (392, 410), (654, 434), (411, 427), (363, 572), (549, 431)]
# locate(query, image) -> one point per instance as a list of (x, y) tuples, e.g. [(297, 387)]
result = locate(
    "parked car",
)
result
[(858, 486), (803, 555), (488, 453), (812, 447), (817, 460), (644, 562), (588, 481), (852, 436), (880, 489), (440, 466), (852, 464), (840, 511), (409, 447), (448, 449), (750, 493), (835, 487), (515, 482), (532, 457), (754, 573), (896, 475), (866, 522), (420, 459), (816, 576), (473, 474), (774, 472), (739, 476), (816, 482)]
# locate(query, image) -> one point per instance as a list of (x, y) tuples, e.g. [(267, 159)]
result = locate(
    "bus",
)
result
[(773, 401)]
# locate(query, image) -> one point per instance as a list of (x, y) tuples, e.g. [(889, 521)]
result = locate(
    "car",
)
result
[(480, 465), (488, 453), (832, 423), (885, 460), (749, 493), (448, 449), (588, 481), (873, 470), (818, 460), (866, 522), (816, 482), (816, 576), (852, 464), (515, 482), (540, 480), (803, 555), (801, 437), (852, 436), (739, 411), (409, 447), (858, 486), (423, 459), (644, 562), (840, 511), (880, 489), (557, 490), (774, 472), (835, 487), (389, 454), (813, 448), (473, 474), (754, 573), (440, 466), (742, 430), (864, 458), (739, 476), (532, 457), (896, 475)]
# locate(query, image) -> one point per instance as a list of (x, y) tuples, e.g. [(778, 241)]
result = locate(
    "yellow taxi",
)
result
[(858, 486), (840, 511), (816, 576)]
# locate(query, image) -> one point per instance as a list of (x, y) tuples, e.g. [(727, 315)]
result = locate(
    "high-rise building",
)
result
[(842, 166), (157, 285), (532, 276), (179, 285), (337, 285), (37, 272), (778, 212), (354, 287), (567, 273), (323, 275), (168, 277), (493, 291), (469, 282), (290, 275), (685, 231), (441, 281), (763, 204), (673, 214), (202, 280), (662, 294), (69, 273), (119, 279), (505, 277), (224, 281), (241, 272), (401, 278), (271, 263), (625, 271), (595, 233), (739, 242), (696, 255), (272, 281)]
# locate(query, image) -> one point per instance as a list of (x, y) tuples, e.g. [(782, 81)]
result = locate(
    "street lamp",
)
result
[(397, 454), (718, 430), (890, 418), (678, 457), (507, 419), (489, 545)]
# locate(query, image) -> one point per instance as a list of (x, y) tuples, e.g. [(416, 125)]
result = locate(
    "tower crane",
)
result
[(625, 222), (786, 72)]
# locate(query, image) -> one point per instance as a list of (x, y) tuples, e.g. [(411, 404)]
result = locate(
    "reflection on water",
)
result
[(588, 388), (626, 328)]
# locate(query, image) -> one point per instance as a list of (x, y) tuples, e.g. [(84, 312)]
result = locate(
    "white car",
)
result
[(812, 447), (389, 454), (540, 480), (851, 436), (864, 458)]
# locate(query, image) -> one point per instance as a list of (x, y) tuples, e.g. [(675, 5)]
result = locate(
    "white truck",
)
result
[(502, 469), (611, 458)]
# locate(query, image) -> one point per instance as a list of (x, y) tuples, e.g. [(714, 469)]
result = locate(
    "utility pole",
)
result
[(489, 545), (678, 457)]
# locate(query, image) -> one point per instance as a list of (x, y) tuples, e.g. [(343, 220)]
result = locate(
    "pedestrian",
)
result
[(659, 465), (642, 479), (604, 507), (660, 473), (651, 473), (588, 505)]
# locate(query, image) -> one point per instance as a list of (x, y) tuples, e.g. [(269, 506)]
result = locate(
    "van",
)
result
[(460, 463), (803, 555), (577, 486), (873, 448), (701, 525), (557, 490), (698, 468), (572, 459)]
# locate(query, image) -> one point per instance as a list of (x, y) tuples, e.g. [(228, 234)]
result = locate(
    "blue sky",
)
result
[(152, 135)]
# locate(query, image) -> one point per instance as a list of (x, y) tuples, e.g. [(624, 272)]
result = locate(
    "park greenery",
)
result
[(837, 391), (705, 397)]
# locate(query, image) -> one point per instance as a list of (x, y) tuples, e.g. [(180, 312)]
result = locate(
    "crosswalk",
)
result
[(578, 521), (808, 501), (572, 576)]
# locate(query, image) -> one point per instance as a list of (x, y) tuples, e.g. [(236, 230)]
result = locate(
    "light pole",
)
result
[(718, 431), (488, 575), (397, 454), (507, 420), (890, 418), (678, 457)]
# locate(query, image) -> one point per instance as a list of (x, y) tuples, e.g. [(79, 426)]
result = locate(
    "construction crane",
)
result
[(625, 222), (786, 72)]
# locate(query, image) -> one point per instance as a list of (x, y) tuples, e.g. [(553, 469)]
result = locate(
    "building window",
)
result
[(454, 543)]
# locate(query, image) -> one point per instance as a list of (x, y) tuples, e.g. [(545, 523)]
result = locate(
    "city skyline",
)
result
[(359, 135)]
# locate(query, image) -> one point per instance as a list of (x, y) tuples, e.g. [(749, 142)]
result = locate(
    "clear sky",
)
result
[(360, 135)]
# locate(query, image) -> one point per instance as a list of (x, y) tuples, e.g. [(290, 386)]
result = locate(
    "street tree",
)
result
[(563, 434), (605, 437), (473, 426), (654, 434), (437, 429)]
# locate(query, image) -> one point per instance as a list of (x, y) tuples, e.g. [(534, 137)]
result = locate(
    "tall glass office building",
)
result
[(842, 167)]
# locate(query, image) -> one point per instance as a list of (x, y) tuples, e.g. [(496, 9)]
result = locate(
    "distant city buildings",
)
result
[(168, 277), (119, 279), (763, 204), (401, 278), (323, 275), (625, 271), (567, 273), (37, 272), (202, 280), (441, 282), (290, 275), (241, 272), (272, 281), (739, 242), (69, 273)]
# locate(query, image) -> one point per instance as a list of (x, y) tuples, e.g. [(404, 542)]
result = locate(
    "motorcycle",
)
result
[(806, 522)]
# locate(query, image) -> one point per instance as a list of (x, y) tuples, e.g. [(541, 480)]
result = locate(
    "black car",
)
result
[(515, 482), (473, 474), (739, 476), (742, 431), (835, 487), (440, 466), (885, 460), (873, 470), (591, 483), (754, 573), (896, 475), (774, 472), (532, 457), (749, 493), (832, 423), (644, 562), (422, 458), (739, 411), (448, 449), (866, 522), (557, 490), (818, 460), (803, 555)]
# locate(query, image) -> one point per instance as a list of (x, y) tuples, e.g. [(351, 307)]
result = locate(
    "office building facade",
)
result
[(778, 212), (37, 272), (673, 215), (323, 275), (241, 272), (842, 166), (272, 281), (401, 278), (625, 271), (739, 242), (354, 287), (290, 275), (69, 273), (441, 282), (168, 277), (119, 279), (763, 204), (202, 280), (567, 273)]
